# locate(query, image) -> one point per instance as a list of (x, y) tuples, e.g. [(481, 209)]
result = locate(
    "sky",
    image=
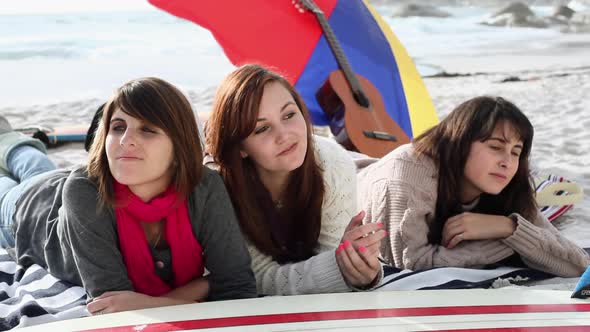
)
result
[(61, 6)]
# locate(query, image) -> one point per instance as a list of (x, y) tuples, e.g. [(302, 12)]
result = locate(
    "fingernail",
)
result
[(362, 249), (380, 224), (346, 244), (385, 231)]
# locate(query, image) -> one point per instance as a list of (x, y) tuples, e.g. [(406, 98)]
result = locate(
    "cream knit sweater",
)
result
[(320, 273), (400, 190)]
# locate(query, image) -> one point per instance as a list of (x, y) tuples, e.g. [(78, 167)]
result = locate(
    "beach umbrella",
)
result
[(288, 37)]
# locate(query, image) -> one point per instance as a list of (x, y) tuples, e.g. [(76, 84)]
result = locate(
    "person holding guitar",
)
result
[(460, 195), (294, 193)]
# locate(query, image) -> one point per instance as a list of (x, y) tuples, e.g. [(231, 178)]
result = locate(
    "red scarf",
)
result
[(186, 252)]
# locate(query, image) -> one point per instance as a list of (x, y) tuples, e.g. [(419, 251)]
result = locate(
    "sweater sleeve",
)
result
[(90, 240), (318, 274), (542, 247), (224, 250)]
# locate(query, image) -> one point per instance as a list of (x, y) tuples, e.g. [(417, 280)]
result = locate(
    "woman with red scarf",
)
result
[(137, 226)]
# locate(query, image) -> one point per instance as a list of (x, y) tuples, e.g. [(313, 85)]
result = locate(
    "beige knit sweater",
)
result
[(400, 190)]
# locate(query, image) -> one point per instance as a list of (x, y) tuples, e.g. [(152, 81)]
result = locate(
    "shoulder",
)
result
[(77, 176), (403, 162), (402, 166), (332, 157), (78, 186), (210, 191), (406, 154), (211, 181), (328, 150), (81, 204)]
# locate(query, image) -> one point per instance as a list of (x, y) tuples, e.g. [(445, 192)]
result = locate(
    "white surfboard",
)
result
[(446, 310)]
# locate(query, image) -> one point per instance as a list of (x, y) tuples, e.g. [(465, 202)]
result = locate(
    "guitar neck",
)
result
[(341, 59)]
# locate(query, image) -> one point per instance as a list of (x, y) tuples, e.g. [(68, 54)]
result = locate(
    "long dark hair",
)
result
[(160, 104), (233, 119), (449, 143)]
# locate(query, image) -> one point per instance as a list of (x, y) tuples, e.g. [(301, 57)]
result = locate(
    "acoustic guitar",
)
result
[(354, 106)]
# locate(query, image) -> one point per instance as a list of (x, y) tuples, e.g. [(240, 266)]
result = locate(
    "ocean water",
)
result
[(53, 57)]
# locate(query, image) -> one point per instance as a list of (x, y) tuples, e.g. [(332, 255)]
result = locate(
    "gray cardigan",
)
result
[(59, 226)]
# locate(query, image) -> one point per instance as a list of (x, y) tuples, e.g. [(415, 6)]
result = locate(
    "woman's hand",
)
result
[(358, 253), (117, 301), (476, 226)]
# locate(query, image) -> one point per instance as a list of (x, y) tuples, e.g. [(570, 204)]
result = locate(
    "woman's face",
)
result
[(492, 164), (139, 155), (278, 143)]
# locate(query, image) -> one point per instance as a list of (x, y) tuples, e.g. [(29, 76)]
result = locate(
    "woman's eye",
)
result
[(516, 154), (290, 115), (118, 128), (496, 148), (148, 130), (260, 130)]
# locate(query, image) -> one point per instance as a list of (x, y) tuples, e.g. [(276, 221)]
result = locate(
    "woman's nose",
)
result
[(280, 133), (506, 159), (128, 138)]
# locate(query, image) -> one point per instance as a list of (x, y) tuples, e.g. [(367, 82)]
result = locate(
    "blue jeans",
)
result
[(25, 163)]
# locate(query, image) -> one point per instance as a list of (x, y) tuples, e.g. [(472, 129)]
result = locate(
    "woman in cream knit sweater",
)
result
[(294, 193), (461, 195)]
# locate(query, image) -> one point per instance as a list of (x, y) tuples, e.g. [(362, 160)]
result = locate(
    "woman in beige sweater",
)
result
[(461, 195)]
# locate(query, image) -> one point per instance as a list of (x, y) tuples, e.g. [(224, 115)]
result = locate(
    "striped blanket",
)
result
[(32, 296)]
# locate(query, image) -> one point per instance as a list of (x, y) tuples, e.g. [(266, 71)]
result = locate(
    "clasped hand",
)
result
[(475, 226), (117, 301), (358, 253)]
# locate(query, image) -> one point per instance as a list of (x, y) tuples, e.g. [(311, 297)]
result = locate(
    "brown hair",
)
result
[(449, 143), (235, 111), (160, 104)]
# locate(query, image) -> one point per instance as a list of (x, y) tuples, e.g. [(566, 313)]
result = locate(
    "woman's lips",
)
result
[(288, 150), (499, 176)]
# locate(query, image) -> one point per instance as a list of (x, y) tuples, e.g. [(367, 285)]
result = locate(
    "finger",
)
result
[(351, 270), (451, 225), (450, 232), (371, 239), (97, 306), (374, 249), (344, 269), (457, 217), (360, 265), (455, 240), (371, 260), (363, 231), (355, 221)]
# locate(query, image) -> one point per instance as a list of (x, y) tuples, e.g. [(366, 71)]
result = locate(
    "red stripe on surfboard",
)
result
[(347, 314), (583, 328)]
